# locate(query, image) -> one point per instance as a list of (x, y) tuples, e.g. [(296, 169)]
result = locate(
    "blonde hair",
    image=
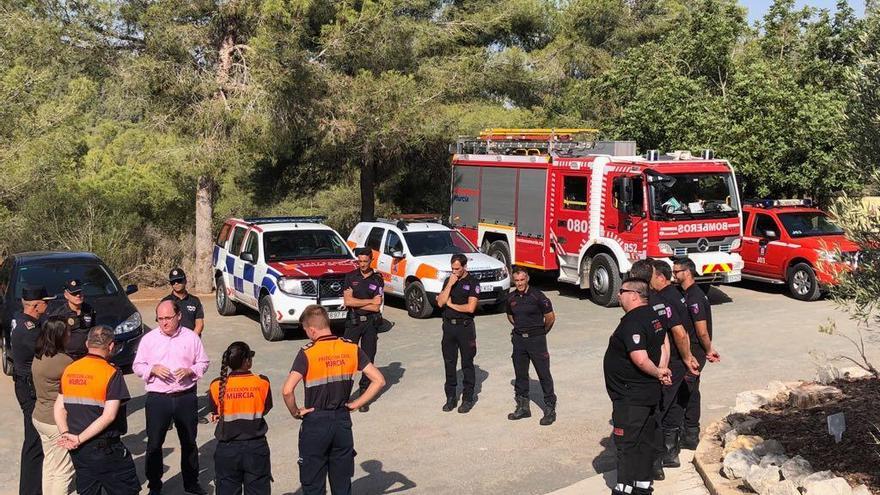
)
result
[(315, 316)]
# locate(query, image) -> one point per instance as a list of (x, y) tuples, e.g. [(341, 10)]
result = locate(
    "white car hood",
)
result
[(476, 261)]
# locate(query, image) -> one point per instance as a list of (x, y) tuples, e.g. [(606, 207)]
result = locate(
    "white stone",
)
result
[(861, 490), (760, 478), (774, 460), (853, 372), (737, 463), (834, 486), (776, 387), (769, 447), (827, 374), (750, 400), (782, 488), (796, 469), (817, 476), (729, 438)]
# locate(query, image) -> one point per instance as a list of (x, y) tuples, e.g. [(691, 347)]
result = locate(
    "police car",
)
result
[(279, 266), (413, 258)]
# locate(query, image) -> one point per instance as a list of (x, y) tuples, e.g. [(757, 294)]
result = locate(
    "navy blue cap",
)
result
[(73, 286), (176, 274)]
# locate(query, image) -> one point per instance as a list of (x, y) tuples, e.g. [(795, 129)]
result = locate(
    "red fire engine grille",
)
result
[(717, 268)]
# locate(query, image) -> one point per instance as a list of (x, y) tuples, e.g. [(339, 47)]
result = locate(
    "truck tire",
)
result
[(802, 282), (269, 325), (500, 251), (225, 306), (417, 303), (604, 280), (7, 359)]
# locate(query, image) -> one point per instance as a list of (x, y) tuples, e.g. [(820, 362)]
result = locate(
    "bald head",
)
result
[(168, 316)]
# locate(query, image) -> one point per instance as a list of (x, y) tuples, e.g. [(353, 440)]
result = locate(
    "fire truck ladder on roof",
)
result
[(514, 141)]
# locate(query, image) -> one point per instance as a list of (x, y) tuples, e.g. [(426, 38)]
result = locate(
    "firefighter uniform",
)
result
[(460, 336), (529, 339), (79, 322), (103, 462), (241, 459), (361, 326), (326, 445), (699, 309), (634, 396), (23, 337)]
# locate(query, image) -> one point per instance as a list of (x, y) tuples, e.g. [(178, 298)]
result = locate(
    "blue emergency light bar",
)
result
[(309, 219)]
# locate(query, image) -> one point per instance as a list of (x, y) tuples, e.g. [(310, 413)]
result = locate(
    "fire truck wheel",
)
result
[(802, 283), (272, 330), (224, 305), (604, 280), (417, 303), (500, 252)]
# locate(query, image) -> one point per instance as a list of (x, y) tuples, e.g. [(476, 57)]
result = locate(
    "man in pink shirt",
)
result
[(171, 359)]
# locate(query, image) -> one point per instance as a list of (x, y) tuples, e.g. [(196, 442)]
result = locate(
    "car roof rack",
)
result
[(401, 220), (778, 203), (302, 219)]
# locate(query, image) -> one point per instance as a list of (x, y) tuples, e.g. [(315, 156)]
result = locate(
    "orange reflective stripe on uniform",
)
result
[(85, 381), (331, 361), (244, 397)]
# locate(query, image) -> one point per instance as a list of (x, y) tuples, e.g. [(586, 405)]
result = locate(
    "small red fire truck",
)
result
[(557, 199)]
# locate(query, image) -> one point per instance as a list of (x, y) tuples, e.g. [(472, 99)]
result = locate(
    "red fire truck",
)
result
[(557, 199)]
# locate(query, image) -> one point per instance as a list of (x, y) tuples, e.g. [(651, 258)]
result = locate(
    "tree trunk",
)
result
[(368, 189), (204, 244)]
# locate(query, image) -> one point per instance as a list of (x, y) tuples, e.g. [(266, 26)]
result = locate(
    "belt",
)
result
[(458, 321), (190, 390), (363, 318), (530, 331)]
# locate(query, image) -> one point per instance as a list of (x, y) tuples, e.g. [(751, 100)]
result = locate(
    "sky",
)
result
[(757, 8)]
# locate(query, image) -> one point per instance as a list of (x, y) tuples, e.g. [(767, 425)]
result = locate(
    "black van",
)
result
[(102, 290)]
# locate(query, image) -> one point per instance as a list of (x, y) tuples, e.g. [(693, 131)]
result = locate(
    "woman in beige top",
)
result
[(49, 363)]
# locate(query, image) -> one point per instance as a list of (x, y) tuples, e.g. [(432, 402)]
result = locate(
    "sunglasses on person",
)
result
[(624, 291)]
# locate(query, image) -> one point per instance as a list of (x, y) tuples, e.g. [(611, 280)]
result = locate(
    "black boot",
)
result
[(466, 405), (658, 469), (670, 441), (522, 409), (690, 438), (450, 404), (549, 415)]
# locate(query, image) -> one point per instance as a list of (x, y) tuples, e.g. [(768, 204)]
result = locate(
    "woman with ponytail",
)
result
[(239, 402)]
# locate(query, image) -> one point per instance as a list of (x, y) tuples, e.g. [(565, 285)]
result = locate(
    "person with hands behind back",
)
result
[(327, 366)]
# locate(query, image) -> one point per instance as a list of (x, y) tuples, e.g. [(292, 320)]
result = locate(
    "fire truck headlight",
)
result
[(735, 244), (665, 248)]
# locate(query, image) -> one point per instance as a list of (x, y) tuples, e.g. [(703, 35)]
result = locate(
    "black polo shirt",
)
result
[(79, 323), (699, 309), (364, 287), (23, 338), (190, 309), (463, 289), (639, 330), (528, 309), (674, 300)]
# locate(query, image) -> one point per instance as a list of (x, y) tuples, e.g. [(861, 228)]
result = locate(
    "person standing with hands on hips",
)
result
[(171, 359), (459, 298)]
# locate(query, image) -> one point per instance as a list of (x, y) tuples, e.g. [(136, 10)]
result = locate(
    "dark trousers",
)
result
[(459, 339), (243, 465), (681, 400), (31, 479), (161, 410), (105, 466), (692, 392), (364, 334), (532, 349), (635, 428), (326, 446)]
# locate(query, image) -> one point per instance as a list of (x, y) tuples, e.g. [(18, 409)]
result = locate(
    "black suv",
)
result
[(102, 289)]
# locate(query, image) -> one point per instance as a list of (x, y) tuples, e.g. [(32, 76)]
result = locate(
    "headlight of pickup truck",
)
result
[(131, 324), (292, 286)]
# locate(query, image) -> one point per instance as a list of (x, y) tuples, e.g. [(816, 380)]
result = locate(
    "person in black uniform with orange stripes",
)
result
[(91, 415), (239, 402), (327, 366), (363, 293), (459, 299)]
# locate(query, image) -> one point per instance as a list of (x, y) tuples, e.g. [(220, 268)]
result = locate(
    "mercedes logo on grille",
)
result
[(336, 287), (702, 244)]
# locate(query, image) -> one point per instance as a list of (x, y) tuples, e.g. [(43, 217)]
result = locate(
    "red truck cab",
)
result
[(791, 242)]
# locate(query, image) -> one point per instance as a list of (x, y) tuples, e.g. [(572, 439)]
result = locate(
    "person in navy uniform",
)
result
[(700, 312), (532, 317), (459, 298), (634, 372), (363, 295), (23, 337), (192, 314), (79, 315)]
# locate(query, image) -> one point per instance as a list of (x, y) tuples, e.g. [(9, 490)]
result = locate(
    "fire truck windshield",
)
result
[(810, 223), (690, 196), (432, 242)]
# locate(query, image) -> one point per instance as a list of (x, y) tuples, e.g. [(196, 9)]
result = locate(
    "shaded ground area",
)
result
[(804, 432)]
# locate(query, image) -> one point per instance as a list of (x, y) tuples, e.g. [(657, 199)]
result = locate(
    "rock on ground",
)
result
[(774, 460), (750, 400), (737, 463), (769, 447), (760, 478), (796, 469), (834, 486), (782, 488), (748, 442)]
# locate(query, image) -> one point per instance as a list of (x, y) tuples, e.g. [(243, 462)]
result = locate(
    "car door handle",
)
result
[(612, 226)]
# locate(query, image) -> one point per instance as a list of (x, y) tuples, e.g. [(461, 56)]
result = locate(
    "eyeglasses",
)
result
[(679, 271), (623, 291), (165, 318)]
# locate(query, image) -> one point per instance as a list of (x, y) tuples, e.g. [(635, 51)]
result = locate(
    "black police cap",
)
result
[(176, 274), (73, 286), (35, 293)]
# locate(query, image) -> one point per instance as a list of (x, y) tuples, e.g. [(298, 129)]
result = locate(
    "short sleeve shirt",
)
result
[(364, 287), (639, 330), (698, 306), (87, 384), (24, 342), (463, 289), (528, 309), (79, 323), (674, 300), (247, 398), (190, 309), (328, 366)]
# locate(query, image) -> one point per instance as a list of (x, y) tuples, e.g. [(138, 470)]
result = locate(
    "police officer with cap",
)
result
[(700, 312), (459, 299), (531, 314), (192, 314), (80, 317), (25, 328), (633, 377), (363, 293)]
